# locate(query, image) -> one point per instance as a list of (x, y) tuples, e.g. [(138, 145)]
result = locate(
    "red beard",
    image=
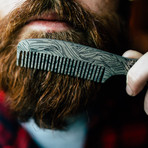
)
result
[(51, 98)]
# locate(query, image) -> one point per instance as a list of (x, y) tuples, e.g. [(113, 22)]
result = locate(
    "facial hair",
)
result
[(47, 97)]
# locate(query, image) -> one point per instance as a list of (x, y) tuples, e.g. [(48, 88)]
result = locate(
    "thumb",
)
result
[(138, 75), (132, 54)]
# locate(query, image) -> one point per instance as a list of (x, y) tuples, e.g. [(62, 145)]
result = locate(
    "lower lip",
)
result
[(49, 26)]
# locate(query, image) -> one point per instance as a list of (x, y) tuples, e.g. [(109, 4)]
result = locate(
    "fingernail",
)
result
[(129, 90)]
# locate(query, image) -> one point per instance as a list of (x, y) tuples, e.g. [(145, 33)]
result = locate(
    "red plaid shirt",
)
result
[(12, 135)]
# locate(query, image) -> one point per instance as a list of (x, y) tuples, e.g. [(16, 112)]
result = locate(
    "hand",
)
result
[(137, 76)]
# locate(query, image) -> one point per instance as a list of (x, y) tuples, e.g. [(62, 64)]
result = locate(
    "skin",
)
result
[(137, 77)]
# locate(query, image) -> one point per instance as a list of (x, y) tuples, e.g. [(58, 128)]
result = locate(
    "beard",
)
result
[(47, 97)]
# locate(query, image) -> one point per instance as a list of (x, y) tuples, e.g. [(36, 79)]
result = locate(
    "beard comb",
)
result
[(71, 59)]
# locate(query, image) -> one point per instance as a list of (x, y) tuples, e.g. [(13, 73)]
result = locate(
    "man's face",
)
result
[(51, 22), (47, 97)]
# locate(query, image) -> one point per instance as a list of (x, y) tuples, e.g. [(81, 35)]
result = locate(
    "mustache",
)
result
[(67, 11)]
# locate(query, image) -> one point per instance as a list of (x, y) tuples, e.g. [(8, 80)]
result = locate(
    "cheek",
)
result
[(92, 5), (99, 6), (6, 6)]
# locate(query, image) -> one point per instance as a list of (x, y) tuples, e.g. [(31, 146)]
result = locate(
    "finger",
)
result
[(132, 54), (146, 103), (137, 76)]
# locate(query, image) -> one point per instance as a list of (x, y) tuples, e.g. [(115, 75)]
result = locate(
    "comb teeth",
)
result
[(61, 65)]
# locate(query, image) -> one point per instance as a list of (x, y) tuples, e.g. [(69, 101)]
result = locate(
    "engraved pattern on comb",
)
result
[(73, 59)]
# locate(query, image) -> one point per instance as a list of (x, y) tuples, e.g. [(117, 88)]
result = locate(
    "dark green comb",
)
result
[(71, 59)]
